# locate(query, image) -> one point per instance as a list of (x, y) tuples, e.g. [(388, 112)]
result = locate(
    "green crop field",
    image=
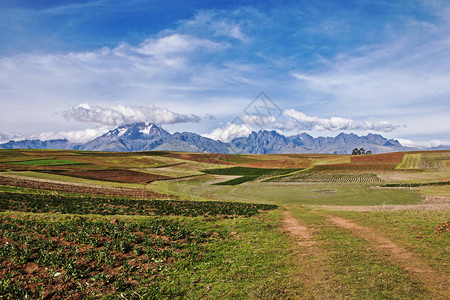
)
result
[(173, 225), (327, 178), (46, 162), (410, 161)]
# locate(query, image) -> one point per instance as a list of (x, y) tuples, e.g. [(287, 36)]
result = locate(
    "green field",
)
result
[(410, 161), (46, 162), (214, 226)]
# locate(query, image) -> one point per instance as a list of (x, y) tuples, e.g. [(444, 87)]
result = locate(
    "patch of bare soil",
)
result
[(301, 233), (53, 185), (118, 175), (221, 178), (315, 277), (437, 283), (437, 199), (427, 206)]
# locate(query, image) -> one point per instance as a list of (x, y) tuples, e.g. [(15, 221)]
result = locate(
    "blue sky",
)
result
[(77, 68)]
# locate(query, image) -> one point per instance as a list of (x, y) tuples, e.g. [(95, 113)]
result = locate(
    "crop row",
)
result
[(64, 204), (83, 257), (328, 178), (416, 184)]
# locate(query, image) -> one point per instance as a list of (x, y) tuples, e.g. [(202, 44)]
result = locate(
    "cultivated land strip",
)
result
[(53, 185), (437, 284)]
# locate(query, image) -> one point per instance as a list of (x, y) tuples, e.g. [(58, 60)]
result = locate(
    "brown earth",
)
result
[(437, 199), (210, 158), (355, 168), (57, 286), (118, 175), (299, 232), (314, 274), (395, 157), (279, 164), (79, 188)]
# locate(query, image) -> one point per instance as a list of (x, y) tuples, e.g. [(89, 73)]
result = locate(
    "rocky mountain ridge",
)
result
[(147, 136)]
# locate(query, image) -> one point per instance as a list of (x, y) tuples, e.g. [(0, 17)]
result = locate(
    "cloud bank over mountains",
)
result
[(294, 121), (367, 66), (120, 114)]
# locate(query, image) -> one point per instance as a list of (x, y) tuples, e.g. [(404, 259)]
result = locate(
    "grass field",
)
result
[(46, 162), (411, 161), (173, 225)]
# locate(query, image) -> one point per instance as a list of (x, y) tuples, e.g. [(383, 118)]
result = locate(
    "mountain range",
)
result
[(147, 136)]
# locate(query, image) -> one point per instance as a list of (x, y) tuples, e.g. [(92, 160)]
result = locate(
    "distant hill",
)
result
[(147, 136)]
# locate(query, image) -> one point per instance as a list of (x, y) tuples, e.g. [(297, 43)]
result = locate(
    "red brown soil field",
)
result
[(279, 164), (118, 175), (81, 188), (395, 157), (355, 168), (205, 158)]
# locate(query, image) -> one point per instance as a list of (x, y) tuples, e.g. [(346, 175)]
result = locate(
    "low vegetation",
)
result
[(101, 225), (250, 174), (440, 183), (327, 178), (41, 203), (46, 162), (81, 257)]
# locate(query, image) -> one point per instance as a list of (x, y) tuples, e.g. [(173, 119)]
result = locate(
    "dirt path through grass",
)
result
[(315, 276), (437, 284), (301, 233)]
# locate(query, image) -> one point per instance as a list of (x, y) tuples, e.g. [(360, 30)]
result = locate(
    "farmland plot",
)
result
[(41, 203), (410, 161), (328, 178), (83, 257)]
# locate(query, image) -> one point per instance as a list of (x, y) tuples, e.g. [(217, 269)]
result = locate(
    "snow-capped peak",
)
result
[(146, 129)]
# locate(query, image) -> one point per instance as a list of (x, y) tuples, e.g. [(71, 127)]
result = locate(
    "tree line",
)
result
[(361, 151)]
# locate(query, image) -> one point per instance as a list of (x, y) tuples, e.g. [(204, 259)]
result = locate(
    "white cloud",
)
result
[(293, 120), (7, 136), (120, 114), (423, 144), (74, 136), (405, 77), (229, 132), (219, 23), (305, 122)]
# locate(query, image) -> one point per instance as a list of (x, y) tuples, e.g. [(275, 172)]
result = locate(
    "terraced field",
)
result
[(411, 161), (328, 178)]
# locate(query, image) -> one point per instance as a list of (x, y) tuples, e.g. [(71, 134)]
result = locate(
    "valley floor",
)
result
[(197, 226)]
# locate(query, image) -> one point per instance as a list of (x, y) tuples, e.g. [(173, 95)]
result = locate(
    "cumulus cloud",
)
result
[(229, 132), (306, 122), (292, 120), (125, 114), (295, 120), (423, 144), (74, 136), (7, 136)]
